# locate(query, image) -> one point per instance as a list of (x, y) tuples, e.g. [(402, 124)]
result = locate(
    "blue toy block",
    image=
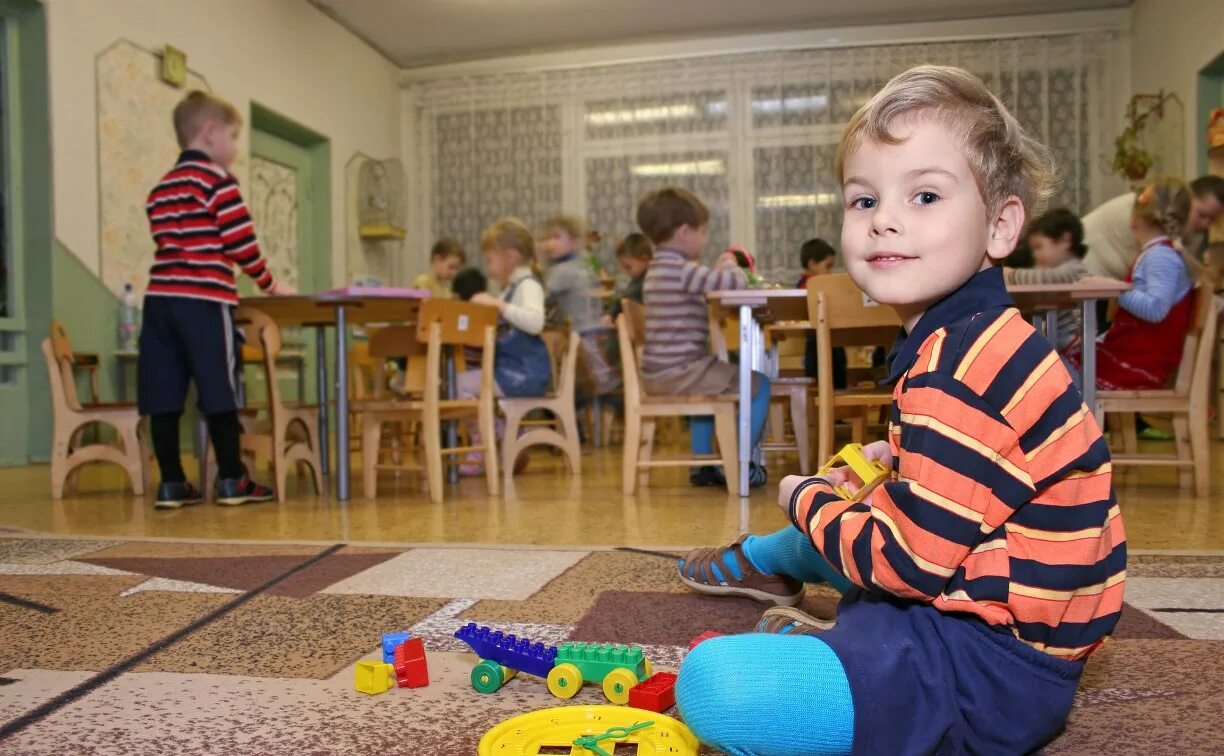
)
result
[(507, 650), (391, 641)]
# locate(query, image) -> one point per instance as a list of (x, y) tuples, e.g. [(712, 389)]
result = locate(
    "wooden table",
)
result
[(320, 312), (758, 307)]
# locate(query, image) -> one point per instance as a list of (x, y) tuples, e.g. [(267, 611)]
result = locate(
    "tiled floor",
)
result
[(545, 506)]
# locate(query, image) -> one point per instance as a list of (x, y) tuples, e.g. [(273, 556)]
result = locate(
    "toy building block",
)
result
[(411, 669), (656, 693), (507, 650), (870, 471), (596, 660), (708, 634), (373, 677), (390, 641)]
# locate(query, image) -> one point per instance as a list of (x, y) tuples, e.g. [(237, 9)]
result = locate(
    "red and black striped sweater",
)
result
[(201, 227)]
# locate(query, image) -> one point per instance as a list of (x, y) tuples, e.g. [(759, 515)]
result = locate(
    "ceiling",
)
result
[(416, 33)]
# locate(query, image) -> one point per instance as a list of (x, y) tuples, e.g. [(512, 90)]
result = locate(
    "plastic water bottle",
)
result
[(129, 320)]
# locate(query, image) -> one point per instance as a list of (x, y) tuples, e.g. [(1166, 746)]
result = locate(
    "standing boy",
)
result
[(676, 358), (201, 228), (987, 568)]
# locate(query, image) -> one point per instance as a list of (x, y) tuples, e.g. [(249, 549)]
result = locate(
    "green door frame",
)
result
[(25, 402), (1210, 96)]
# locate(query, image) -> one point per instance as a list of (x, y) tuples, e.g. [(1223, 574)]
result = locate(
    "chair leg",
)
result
[(647, 454), (632, 447), (59, 468), (1181, 438), (371, 439), (431, 433), (1200, 451), (132, 455), (725, 430), (488, 429), (509, 442), (572, 450), (799, 421), (858, 429), (777, 422), (1130, 439)]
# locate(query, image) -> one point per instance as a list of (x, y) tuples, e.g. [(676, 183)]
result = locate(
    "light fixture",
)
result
[(791, 104), (640, 115), (684, 168), (796, 200)]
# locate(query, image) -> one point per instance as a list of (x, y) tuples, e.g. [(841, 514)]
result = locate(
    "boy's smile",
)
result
[(916, 226)]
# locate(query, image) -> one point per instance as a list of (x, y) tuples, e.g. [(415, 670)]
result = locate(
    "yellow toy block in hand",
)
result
[(374, 677), (870, 471)]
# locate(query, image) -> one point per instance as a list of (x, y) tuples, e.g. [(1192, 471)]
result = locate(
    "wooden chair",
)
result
[(285, 434), (1187, 401), (562, 431), (844, 316), (442, 323), (642, 411), (70, 418)]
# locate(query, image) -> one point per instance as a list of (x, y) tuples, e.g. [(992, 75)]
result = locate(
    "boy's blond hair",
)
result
[(197, 109), (509, 233), (448, 247), (1006, 161), (660, 213), (567, 223)]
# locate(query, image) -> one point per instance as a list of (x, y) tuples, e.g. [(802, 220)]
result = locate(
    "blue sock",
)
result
[(767, 695), (701, 434), (789, 552), (760, 407)]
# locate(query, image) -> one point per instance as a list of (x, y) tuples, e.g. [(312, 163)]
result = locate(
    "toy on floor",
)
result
[(391, 641), (403, 665), (373, 677), (708, 634), (411, 669), (566, 668), (591, 728), (655, 693), (870, 471)]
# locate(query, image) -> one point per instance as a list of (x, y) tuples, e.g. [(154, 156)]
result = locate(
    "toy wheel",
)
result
[(617, 684), (488, 676), (564, 681)]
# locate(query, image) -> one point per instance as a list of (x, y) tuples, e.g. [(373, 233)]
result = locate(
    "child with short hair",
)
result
[(984, 570), (468, 283), (444, 261), (202, 229), (676, 357), (817, 258), (1143, 346), (633, 254), (1056, 240)]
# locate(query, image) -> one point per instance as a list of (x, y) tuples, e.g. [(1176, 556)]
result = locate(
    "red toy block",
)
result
[(708, 634), (656, 693), (411, 669)]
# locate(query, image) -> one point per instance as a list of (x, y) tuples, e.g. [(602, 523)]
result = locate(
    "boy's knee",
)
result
[(763, 385), (712, 705)]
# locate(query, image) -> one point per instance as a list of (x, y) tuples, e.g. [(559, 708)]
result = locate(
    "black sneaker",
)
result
[(232, 492), (707, 476), (757, 476), (176, 495)]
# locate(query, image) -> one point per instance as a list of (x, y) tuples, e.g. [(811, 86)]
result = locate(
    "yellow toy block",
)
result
[(870, 471), (374, 677)]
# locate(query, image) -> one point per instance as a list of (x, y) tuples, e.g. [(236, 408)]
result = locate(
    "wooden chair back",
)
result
[(263, 334), (563, 345), (395, 342), (61, 356), (1194, 371), (631, 338), (849, 315), (459, 323)]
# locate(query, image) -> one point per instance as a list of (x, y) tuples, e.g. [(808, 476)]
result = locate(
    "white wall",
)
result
[(1170, 41), (284, 54)]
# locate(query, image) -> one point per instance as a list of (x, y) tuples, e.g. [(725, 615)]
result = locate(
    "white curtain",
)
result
[(753, 135)]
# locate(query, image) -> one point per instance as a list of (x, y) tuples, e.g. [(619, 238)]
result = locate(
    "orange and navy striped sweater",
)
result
[(201, 227), (1001, 503)]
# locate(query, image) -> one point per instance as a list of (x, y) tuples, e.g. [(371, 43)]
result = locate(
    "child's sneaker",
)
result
[(232, 492), (707, 476), (710, 571), (175, 495), (785, 620), (757, 477)]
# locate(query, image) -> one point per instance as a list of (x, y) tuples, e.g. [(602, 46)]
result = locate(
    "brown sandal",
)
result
[(698, 571)]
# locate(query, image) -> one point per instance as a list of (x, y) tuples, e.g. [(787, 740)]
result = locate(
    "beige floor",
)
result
[(546, 506)]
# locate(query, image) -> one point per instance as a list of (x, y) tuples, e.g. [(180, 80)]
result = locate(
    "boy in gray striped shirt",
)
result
[(676, 357)]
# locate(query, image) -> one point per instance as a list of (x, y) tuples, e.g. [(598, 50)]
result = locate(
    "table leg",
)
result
[(1088, 353), (452, 426), (1051, 327), (745, 396), (596, 407), (321, 381), (342, 406)]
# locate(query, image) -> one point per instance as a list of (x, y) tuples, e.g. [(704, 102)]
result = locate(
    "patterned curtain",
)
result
[(754, 135)]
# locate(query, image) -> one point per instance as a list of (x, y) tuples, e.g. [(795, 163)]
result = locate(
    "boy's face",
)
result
[(445, 268), (559, 243), (1049, 252), (916, 226), (633, 266), (220, 141), (820, 268), (1203, 212)]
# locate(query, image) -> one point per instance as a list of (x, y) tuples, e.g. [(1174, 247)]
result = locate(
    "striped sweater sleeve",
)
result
[(1160, 280), (1067, 273), (238, 231), (911, 534), (696, 278)]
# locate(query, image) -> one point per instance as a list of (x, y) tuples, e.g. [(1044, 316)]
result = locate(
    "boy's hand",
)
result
[(726, 261), (281, 289), (877, 450), (487, 299)]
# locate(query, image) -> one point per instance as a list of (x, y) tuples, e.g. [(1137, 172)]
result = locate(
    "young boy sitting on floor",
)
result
[(978, 577)]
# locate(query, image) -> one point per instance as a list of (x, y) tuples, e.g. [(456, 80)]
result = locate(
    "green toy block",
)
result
[(596, 660)]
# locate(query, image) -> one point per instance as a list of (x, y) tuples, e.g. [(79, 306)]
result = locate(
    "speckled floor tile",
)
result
[(188, 549), (176, 586), (33, 687), (1165, 565), (45, 550), (1205, 594), (276, 636), (461, 573), (239, 572), (330, 570), (68, 567)]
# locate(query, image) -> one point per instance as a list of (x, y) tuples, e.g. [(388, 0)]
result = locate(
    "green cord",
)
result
[(590, 742)]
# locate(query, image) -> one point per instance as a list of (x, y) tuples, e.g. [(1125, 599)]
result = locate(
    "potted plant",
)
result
[(1131, 160)]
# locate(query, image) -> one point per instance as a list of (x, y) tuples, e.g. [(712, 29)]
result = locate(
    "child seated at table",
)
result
[(1056, 241), (468, 283), (818, 257), (444, 260), (633, 255), (676, 357), (1143, 346)]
